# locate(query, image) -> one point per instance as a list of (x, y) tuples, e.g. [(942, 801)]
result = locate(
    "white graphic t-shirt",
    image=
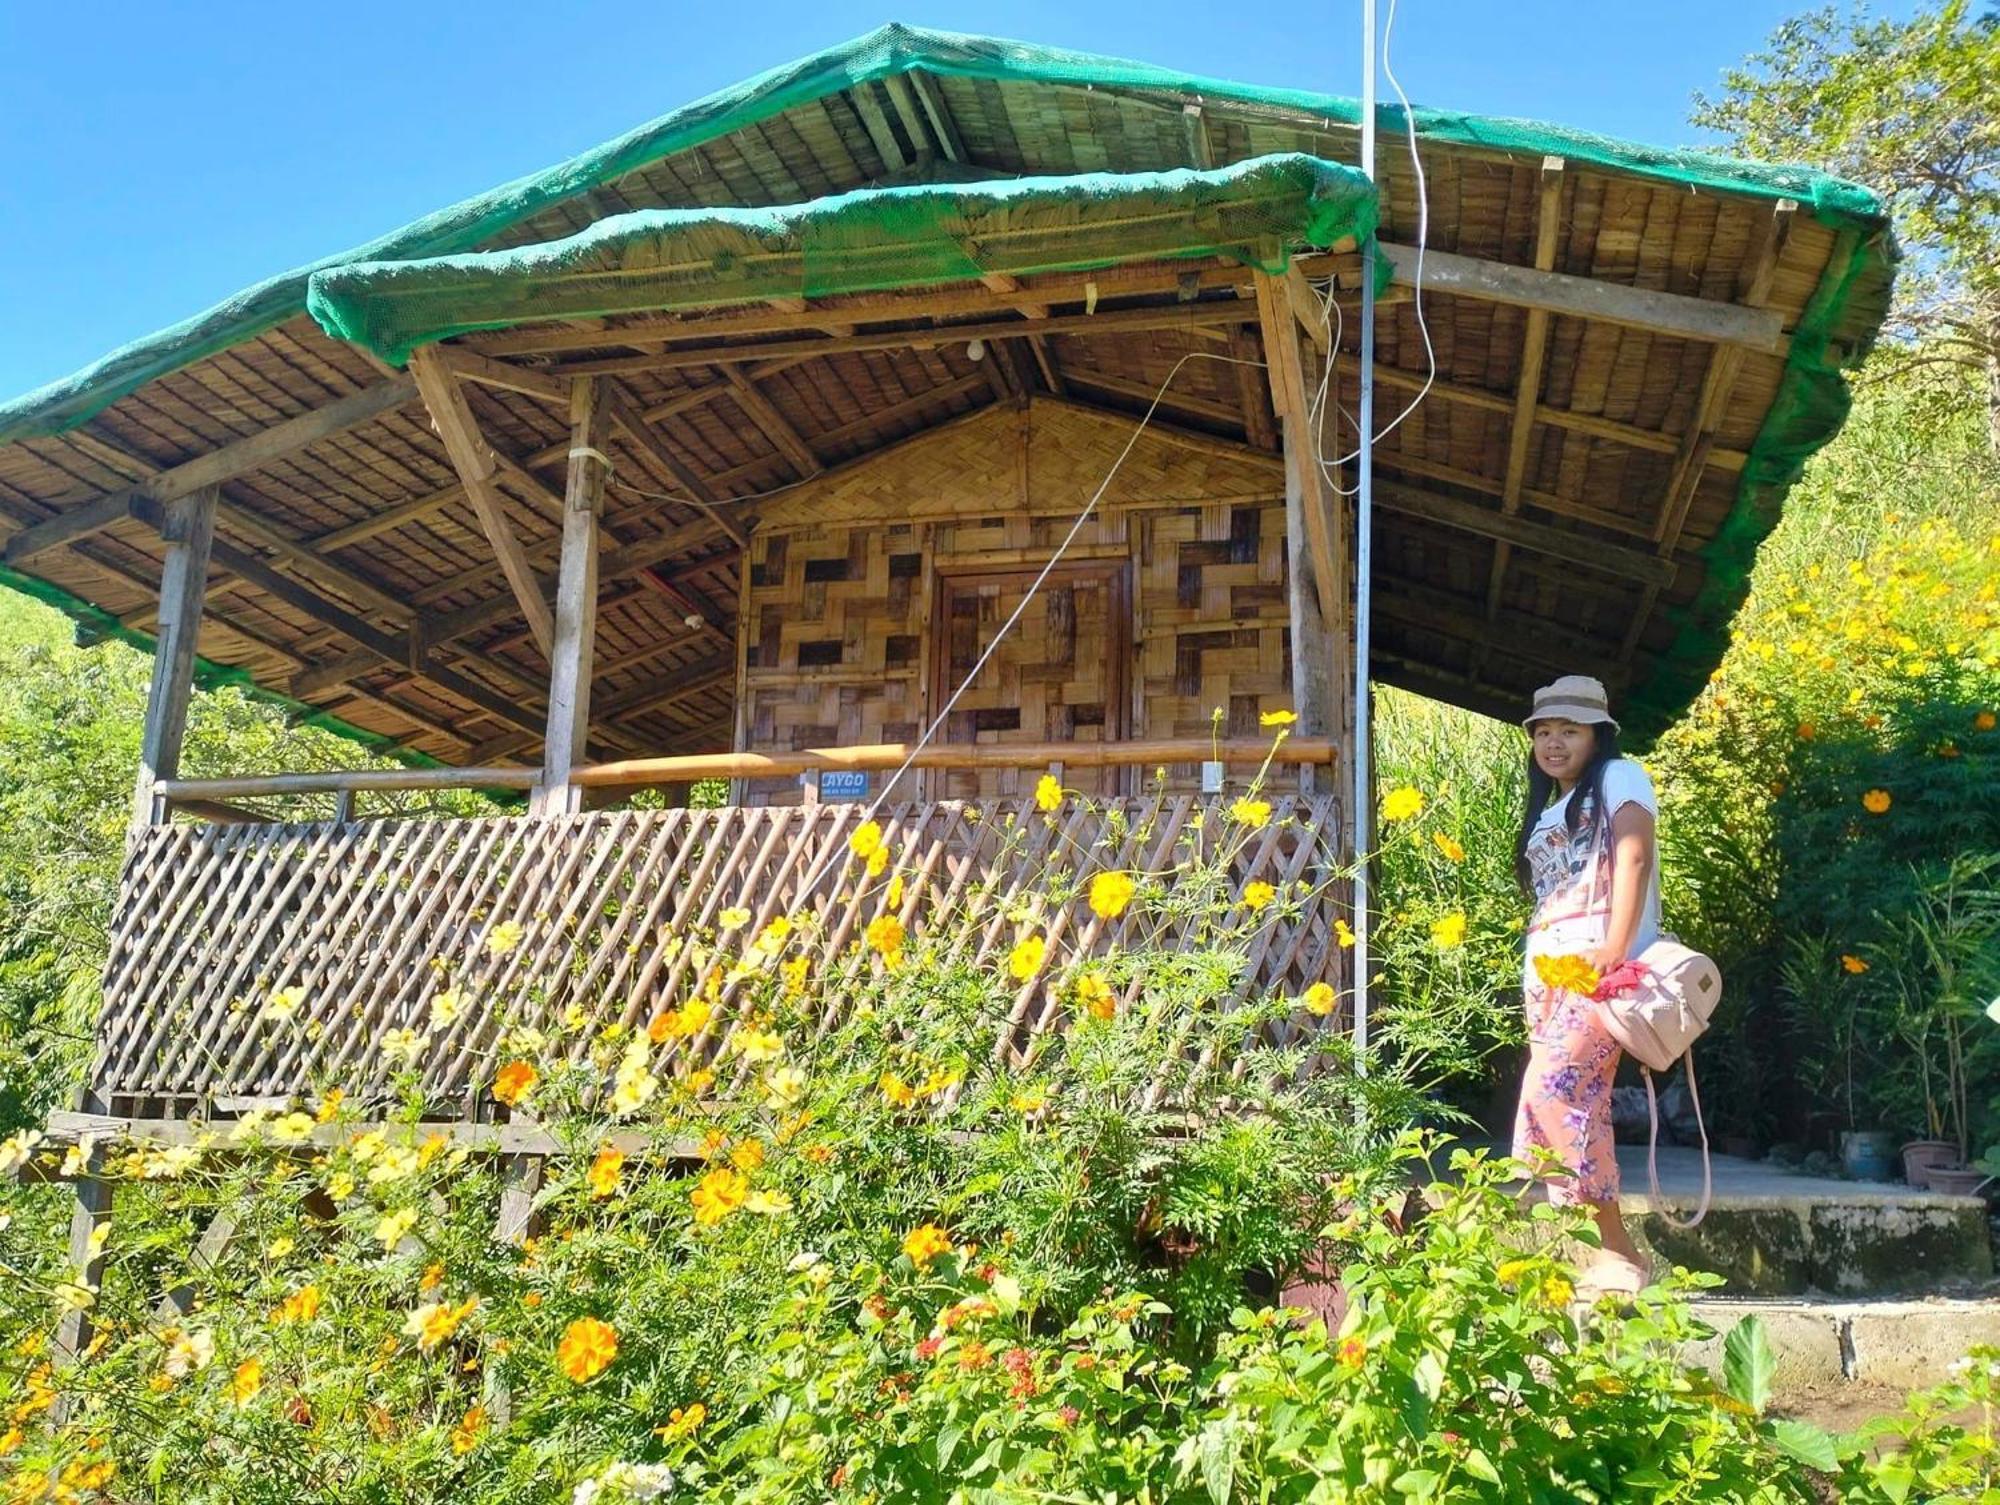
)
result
[(1559, 863)]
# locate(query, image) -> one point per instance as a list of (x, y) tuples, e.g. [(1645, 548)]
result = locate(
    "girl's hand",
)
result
[(1607, 957)]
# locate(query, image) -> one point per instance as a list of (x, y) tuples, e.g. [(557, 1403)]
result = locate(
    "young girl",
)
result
[(1587, 854)]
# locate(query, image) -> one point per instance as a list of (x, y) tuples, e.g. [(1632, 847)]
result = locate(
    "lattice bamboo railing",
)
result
[(367, 923)]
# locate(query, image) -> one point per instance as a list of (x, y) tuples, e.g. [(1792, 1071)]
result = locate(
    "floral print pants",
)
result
[(1566, 1091)]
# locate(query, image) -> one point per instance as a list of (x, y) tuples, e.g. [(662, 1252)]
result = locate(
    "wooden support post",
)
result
[(188, 527), (86, 1255), (576, 602)]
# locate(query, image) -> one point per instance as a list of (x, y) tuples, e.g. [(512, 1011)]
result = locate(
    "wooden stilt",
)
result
[(86, 1261), (576, 603), (188, 526)]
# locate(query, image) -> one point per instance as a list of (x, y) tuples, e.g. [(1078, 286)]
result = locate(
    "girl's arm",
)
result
[(1632, 858)]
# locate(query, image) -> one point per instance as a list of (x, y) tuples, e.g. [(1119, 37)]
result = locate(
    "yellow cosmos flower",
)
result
[(1351, 1351), (717, 1195), (893, 899), (1566, 974), (1452, 851), (1402, 804), (684, 1422), (283, 1004), (1110, 893), (1555, 1292), (1025, 960), (1877, 801), (1252, 813), (1048, 792), (602, 1177), (435, 1321), (1344, 933), (1257, 894), (784, 1086), (866, 840), (446, 1007), (748, 1157), (301, 1306), (1320, 999), (757, 1044), (925, 1244), (1277, 718), (878, 861), (1448, 933), (504, 937), (465, 1436), (587, 1348), (733, 919), (1853, 964), (394, 1227), (767, 1204), (885, 936)]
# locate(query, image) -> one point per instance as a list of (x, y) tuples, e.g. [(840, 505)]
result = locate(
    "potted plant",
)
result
[(1943, 973)]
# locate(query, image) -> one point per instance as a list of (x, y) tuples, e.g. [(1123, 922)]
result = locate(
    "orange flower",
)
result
[(587, 1348), (1807, 731), (1985, 721), (603, 1173), (1877, 801), (1351, 1350), (246, 1382), (1452, 851), (465, 1436), (717, 1195), (1095, 994), (925, 1244), (301, 1306), (515, 1081), (1853, 964)]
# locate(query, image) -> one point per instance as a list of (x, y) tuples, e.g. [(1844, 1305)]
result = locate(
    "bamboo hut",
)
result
[(723, 450)]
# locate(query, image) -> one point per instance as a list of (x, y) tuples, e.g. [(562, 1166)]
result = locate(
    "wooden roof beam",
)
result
[(772, 424), (876, 124), (1185, 316), (239, 457), (1543, 538), (625, 413), (1528, 383), (1697, 445), (1291, 400), (474, 460), (943, 127), (1672, 314)]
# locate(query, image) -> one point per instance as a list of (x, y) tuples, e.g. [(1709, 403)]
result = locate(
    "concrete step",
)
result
[(1823, 1347), (1772, 1233)]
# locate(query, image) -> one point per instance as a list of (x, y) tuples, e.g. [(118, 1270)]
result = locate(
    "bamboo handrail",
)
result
[(893, 755), (190, 794)]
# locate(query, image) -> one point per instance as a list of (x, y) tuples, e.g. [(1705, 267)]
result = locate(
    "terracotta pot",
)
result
[(1920, 1155), (1956, 1180)]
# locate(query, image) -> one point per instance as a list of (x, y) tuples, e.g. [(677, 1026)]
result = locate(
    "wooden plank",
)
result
[(637, 427), (939, 113), (476, 465), (862, 96), (1672, 314), (576, 601), (1528, 383), (348, 781), (1252, 391), (1490, 522), (188, 529), (487, 371), (237, 458), (399, 516), (774, 425), (1184, 316), (1195, 134), (86, 1255), (689, 679), (208, 1250)]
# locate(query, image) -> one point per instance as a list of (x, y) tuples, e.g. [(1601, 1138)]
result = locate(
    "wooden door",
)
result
[(1062, 674)]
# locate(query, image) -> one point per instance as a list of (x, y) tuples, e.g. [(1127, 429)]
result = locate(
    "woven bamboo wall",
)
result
[(847, 580)]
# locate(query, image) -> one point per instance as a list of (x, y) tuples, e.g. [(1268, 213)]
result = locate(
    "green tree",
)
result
[(1911, 108)]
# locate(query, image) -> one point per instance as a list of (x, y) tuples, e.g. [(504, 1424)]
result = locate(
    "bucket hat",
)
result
[(1574, 697)]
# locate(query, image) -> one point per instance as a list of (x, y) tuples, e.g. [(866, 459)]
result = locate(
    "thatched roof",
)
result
[(1680, 363)]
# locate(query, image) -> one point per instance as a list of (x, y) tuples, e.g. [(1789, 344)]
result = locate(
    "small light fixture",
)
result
[(694, 620), (975, 350)]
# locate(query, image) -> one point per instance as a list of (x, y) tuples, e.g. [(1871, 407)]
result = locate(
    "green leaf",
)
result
[(1421, 1483), (1218, 1461), (947, 1444), (1895, 1478), (1477, 1464), (1747, 1364), (1811, 1445)]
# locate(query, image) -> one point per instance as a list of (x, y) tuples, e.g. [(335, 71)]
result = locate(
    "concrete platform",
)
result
[(1772, 1233), (1825, 1346)]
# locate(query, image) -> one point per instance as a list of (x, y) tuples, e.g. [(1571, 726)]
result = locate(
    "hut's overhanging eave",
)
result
[(1255, 213), (1587, 455)]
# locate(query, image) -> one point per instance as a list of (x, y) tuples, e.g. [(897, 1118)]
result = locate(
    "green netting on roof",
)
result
[(1256, 212), (887, 51)]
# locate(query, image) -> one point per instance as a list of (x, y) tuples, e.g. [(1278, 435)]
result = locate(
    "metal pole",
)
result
[(1364, 794)]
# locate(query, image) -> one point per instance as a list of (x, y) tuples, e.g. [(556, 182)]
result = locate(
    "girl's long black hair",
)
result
[(1588, 795)]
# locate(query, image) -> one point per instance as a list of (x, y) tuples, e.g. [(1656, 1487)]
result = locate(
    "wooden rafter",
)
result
[(772, 424), (1697, 446), (477, 466), (1290, 401), (1528, 384), (626, 415), (237, 458), (1543, 538)]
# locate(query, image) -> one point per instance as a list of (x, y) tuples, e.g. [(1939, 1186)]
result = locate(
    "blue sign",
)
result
[(842, 784)]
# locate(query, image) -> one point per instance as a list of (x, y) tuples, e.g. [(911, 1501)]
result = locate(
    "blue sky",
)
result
[(160, 157)]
